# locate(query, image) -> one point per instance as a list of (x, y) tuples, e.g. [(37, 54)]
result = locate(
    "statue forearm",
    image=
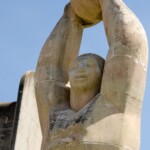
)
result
[(127, 40), (121, 24)]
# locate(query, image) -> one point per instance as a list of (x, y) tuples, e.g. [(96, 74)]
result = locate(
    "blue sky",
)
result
[(24, 27)]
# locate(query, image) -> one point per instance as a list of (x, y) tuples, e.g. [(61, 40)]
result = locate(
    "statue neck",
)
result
[(79, 99)]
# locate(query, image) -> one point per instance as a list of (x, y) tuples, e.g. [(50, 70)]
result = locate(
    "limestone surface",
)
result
[(7, 113), (113, 122), (28, 134), (88, 10)]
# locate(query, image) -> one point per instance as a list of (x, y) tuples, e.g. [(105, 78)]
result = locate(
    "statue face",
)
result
[(85, 74)]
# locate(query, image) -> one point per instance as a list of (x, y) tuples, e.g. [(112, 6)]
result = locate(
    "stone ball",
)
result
[(88, 10)]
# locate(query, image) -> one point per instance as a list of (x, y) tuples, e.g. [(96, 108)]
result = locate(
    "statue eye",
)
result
[(87, 65), (90, 64)]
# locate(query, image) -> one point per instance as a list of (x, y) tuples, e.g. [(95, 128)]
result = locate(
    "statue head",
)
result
[(86, 73)]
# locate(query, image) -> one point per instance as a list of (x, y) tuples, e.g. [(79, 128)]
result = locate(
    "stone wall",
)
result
[(7, 111), (28, 133), (19, 121)]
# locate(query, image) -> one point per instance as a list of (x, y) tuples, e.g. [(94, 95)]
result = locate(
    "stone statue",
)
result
[(85, 78), (107, 114)]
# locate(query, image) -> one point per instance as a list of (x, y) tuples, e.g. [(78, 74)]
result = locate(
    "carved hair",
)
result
[(100, 61)]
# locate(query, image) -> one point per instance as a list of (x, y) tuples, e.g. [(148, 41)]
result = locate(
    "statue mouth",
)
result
[(80, 76)]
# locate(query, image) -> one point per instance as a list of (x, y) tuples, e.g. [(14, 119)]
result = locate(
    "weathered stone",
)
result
[(125, 69), (52, 68), (19, 121), (88, 10), (28, 135), (7, 111), (113, 123)]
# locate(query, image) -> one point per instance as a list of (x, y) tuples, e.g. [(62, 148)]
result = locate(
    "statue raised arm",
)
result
[(124, 76), (105, 120), (59, 50)]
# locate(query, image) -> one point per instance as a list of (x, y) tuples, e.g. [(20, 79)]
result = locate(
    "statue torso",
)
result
[(71, 130)]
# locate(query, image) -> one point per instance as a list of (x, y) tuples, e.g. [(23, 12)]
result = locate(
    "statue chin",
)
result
[(88, 11)]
